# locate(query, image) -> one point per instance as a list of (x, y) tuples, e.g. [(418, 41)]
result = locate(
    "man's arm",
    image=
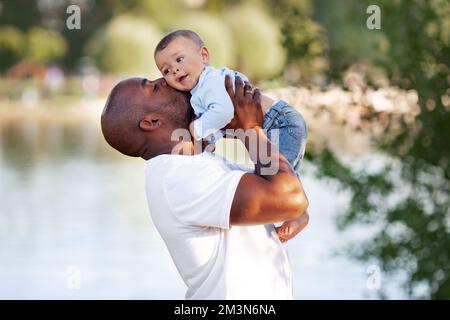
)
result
[(262, 198)]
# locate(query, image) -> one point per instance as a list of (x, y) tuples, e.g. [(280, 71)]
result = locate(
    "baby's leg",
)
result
[(286, 127)]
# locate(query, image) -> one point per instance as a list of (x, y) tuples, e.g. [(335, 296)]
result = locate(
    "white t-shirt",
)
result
[(190, 199)]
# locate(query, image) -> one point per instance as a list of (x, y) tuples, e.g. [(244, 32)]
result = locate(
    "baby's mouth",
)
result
[(181, 79)]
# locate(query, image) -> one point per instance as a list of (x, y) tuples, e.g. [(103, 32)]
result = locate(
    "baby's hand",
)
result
[(207, 146), (289, 229)]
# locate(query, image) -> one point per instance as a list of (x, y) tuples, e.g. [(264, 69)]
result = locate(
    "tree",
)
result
[(415, 233), (258, 41), (304, 39), (125, 46), (12, 46)]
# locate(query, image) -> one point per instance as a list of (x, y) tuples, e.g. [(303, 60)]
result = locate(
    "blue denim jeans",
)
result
[(290, 127)]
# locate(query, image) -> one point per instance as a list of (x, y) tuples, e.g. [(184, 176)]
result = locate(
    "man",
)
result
[(216, 220)]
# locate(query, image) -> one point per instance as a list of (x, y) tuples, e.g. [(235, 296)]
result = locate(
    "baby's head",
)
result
[(181, 56)]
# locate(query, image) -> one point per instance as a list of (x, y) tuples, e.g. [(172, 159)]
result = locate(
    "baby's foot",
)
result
[(289, 229)]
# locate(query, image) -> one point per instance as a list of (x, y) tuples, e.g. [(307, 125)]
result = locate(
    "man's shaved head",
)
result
[(129, 102)]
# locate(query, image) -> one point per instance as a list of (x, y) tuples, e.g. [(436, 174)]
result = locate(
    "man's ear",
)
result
[(150, 122), (205, 55)]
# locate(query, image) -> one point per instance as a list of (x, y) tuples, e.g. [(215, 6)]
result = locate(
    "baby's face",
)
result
[(181, 63)]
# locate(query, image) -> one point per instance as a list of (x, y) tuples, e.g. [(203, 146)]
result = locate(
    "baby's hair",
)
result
[(176, 34)]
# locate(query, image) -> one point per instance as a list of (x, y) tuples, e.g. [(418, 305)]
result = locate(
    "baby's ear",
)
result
[(205, 55)]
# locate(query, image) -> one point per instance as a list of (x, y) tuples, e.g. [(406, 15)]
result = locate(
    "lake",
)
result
[(74, 222)]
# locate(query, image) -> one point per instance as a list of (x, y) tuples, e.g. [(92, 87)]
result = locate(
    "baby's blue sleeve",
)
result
[(219, 108)]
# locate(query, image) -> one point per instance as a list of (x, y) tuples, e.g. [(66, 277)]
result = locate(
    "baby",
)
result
[(183, 60)]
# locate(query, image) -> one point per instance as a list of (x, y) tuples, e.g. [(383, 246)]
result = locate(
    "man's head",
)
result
[(181, 57), (140, 116)]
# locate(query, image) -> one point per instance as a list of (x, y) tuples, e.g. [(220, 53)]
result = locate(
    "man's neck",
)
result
[(185, 148), (180, 148)]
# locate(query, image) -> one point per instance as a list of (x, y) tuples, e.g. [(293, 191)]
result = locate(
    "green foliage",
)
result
[(37, 45), (350, 41), (126, 47), (22, 14), (415, 232), (12, 45), (258, 42), (44, 46), (263, 40), (422, 62), (94, 16), (161, 13), (283, 8), (305, 41), (216, 35)]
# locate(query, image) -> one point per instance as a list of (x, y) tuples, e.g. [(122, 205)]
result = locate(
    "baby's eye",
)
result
[(180, 59), (165, 71)]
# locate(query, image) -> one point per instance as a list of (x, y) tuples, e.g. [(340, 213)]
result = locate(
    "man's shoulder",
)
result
[(173, 169), (167, 162), (198, 174), (196, 167)]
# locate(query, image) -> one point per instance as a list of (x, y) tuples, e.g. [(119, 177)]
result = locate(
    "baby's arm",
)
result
[(219, 109), (207, 144)]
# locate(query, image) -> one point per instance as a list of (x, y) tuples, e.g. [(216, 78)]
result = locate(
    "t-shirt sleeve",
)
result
[(201, 194), (219, 107)]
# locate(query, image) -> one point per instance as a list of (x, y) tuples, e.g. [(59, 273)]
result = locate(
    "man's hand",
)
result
[(247, 105)]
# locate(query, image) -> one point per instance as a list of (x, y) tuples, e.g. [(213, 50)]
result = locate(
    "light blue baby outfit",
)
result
[(214, 110), (211, 103)]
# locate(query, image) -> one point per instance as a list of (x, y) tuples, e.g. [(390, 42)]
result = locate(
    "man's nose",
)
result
[(158, 83)]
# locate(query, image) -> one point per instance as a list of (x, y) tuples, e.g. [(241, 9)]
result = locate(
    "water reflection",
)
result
[(74, 223)]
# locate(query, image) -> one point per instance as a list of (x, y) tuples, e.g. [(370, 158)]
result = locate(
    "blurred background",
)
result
[(373, 83)]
